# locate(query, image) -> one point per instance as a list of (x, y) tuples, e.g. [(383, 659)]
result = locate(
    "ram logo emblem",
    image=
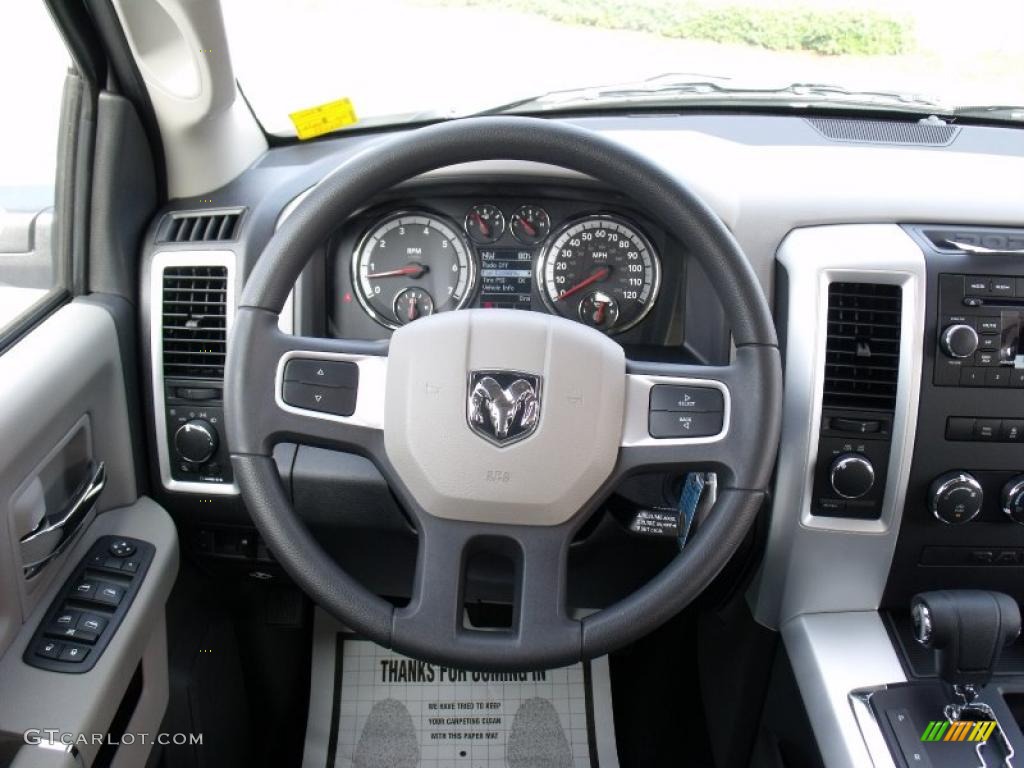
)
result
[(504, 406)]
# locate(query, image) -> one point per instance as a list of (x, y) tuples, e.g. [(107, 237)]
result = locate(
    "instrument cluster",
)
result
[(586, 263)]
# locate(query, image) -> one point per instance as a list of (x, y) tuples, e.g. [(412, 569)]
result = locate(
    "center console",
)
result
[(963, 515)]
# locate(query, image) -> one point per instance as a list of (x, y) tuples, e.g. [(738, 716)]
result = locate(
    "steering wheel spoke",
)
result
[(683, 418), (315, 391), (455, 562)]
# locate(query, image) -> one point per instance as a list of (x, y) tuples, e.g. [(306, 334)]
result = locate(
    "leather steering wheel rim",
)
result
[(544, 636)]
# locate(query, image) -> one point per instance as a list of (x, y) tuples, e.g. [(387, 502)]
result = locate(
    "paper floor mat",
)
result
[(373, 708)]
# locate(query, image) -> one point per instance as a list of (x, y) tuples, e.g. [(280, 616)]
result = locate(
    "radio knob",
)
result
[(852, 475), (1013, 499), (196, 441), (959, 341), (955, 497)]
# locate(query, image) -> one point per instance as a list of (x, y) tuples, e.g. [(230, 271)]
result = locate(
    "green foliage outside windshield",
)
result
[(824, 31)]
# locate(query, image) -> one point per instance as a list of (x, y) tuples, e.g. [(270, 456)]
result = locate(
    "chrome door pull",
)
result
[(55, 532), (971, 248)]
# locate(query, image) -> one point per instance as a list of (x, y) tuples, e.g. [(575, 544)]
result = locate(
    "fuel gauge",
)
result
[(485, 223), (412, 304)]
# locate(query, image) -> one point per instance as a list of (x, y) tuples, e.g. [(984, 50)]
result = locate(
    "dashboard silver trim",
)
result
[(373, 370), (834, 657), (812, 563), (161, 261), (638, 399)]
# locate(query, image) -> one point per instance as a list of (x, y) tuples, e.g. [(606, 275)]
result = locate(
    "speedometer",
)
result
[(601, 271), (410, 265)]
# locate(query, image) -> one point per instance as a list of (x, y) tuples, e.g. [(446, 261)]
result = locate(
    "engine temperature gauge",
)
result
[(531, 224)]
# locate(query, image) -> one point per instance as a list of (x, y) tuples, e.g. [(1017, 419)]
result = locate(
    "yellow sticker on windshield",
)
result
[(316, 121)]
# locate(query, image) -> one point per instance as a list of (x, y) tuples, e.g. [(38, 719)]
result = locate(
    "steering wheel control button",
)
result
[(852, 475), (340, 401), (955, 498), (674, 424), (323, 373), (670, 397), (122, 548)]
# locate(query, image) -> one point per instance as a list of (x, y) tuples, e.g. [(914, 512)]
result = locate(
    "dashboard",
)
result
[(581, 254)]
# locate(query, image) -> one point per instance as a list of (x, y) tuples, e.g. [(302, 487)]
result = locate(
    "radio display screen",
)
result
[(506, 278)]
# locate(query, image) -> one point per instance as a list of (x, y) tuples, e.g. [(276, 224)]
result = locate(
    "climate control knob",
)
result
[(959, 341), (196, 441), (1013, 499), (955, 497), (852, 475)]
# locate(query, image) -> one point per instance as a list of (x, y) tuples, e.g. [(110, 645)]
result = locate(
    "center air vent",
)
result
[(195, 321), (211, 227), (863, 349)]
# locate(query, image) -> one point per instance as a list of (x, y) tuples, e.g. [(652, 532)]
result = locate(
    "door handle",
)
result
[(971, 248), (55, 532)]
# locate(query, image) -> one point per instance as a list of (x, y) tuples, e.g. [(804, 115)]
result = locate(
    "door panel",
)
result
[(62, 401)]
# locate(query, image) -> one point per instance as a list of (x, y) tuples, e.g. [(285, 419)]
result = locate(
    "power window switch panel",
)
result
[(74, 653), (66, 619)]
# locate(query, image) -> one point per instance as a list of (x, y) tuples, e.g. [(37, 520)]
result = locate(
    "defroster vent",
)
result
[(195, 321), (863, 350)]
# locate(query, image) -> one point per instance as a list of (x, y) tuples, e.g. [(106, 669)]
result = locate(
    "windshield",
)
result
[(413, 60)]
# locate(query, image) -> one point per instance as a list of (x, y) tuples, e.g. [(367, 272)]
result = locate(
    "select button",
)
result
[(672, 397), (337, 400)]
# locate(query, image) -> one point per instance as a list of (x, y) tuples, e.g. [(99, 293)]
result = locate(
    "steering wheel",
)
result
[(467, 496)]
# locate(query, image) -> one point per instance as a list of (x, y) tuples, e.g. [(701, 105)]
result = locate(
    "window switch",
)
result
[(90, 622), (108, 594), (84, 590), (112, 564), (72, 633), (49, 649), (74, 653), (131, 565), (66, 619)]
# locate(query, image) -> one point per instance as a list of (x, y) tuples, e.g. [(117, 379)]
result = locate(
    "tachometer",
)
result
[(602, 271), (410, 265)]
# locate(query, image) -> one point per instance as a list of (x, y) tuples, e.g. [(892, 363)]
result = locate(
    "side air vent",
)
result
[(884, 131), (195, 321), (863, 349), (206, 227)]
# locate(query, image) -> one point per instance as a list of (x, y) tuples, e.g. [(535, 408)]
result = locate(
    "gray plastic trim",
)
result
[(161, 261), (816, 563), (833, 655)]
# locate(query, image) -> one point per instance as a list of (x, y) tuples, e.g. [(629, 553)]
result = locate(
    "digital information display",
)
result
[(506, 278)]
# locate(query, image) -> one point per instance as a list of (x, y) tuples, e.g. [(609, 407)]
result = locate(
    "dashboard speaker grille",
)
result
[(195, 321), (884, 132), (862, 353), (204, 227)]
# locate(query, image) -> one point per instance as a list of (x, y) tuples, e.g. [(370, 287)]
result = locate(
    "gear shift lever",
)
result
[(967, 629)]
